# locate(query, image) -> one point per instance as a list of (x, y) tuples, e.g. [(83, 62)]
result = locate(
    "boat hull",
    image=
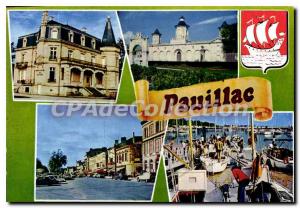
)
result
[(213, 165)]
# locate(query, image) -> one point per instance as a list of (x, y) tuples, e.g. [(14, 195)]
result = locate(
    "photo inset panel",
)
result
[(230, 158), (173, 49), (99, 153), (65, 55)]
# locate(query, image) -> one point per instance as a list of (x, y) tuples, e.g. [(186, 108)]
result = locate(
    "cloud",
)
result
[(215, 20)]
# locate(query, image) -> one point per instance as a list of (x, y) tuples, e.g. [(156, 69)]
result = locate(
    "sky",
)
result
[(26, 22), (278, 120), (76, 134), (203, 24)]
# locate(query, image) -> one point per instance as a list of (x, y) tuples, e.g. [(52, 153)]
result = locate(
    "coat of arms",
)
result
[(264, 39)]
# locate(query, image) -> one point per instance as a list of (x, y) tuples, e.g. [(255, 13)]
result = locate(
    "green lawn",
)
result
[(179, 76)]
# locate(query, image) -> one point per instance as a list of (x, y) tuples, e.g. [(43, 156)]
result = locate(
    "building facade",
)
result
[(129, 156), (111, 160), (96, 160), (179, 49), (60, 60), (153, 136)]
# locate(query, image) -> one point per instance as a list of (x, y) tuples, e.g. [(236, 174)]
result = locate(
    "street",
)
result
[(96, 189)]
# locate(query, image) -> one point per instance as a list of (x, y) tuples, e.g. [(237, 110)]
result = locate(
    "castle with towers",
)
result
[(180, 49)]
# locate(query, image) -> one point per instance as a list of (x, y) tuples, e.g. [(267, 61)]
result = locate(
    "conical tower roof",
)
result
[(156, 32), (108, 38), (182, 22)]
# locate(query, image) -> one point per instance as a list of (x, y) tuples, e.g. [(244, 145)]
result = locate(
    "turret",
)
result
[(181, 34), (108, 38), (156, 37), (111, 54)]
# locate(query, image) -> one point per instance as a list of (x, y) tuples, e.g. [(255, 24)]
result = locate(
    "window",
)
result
[(71, 36), (24, 42), (70, 54), (93, 44), (52, 53), (54, 33), (83, 40), (23, 57), (62, 73), (52, 74), (157, 127), (150, 147), (103, 61)]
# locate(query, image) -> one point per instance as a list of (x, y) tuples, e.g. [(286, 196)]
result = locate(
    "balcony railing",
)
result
[(25, 81), (51, 80), (51, 58), (21, 65), (89, 64)]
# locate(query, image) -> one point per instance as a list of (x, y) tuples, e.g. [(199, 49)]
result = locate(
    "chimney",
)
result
[(116, 141), (44, 24), (123, 139)]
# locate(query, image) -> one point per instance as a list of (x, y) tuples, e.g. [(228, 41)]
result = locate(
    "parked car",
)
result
[(121, 176), (147, 177)]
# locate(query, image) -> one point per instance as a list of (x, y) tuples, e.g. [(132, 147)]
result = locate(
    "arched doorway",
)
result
[(202, 54), (75, 75), (87, 78), (178, 55), (99, 78)]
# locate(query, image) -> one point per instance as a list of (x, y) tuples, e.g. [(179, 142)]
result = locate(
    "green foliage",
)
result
[(229, 37), (56, 161), (160, 79), (39, 165)]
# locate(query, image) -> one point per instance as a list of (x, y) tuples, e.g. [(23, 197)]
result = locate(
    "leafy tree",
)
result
[(228, 33), (56, 161), (120, 45), (39, 165)]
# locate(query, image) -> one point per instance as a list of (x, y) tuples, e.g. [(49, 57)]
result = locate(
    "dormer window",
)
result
[(93, 44), (54, 33), (71, 36), (82, 40), (24, 42)]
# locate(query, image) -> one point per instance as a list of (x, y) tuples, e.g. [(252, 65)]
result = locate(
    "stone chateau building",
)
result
[(60, 60), (180, 49)]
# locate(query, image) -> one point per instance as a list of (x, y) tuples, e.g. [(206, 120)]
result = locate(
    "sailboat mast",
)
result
[(191, 144), (253, 145)]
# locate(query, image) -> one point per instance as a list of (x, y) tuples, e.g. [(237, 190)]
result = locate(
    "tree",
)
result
[(40, 166), (56, 161), (120, 45), (228, 33)]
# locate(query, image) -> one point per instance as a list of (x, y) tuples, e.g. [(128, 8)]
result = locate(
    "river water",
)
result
[(96, 189)]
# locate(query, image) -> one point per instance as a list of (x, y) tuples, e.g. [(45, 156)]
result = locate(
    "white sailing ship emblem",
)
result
[(263, 41)]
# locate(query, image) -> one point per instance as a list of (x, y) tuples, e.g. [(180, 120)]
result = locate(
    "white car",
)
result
[(146, 176)]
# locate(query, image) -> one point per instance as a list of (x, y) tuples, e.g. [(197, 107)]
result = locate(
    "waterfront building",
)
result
[(129, 155), (61, 60), (179, 49), (153, 135)]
